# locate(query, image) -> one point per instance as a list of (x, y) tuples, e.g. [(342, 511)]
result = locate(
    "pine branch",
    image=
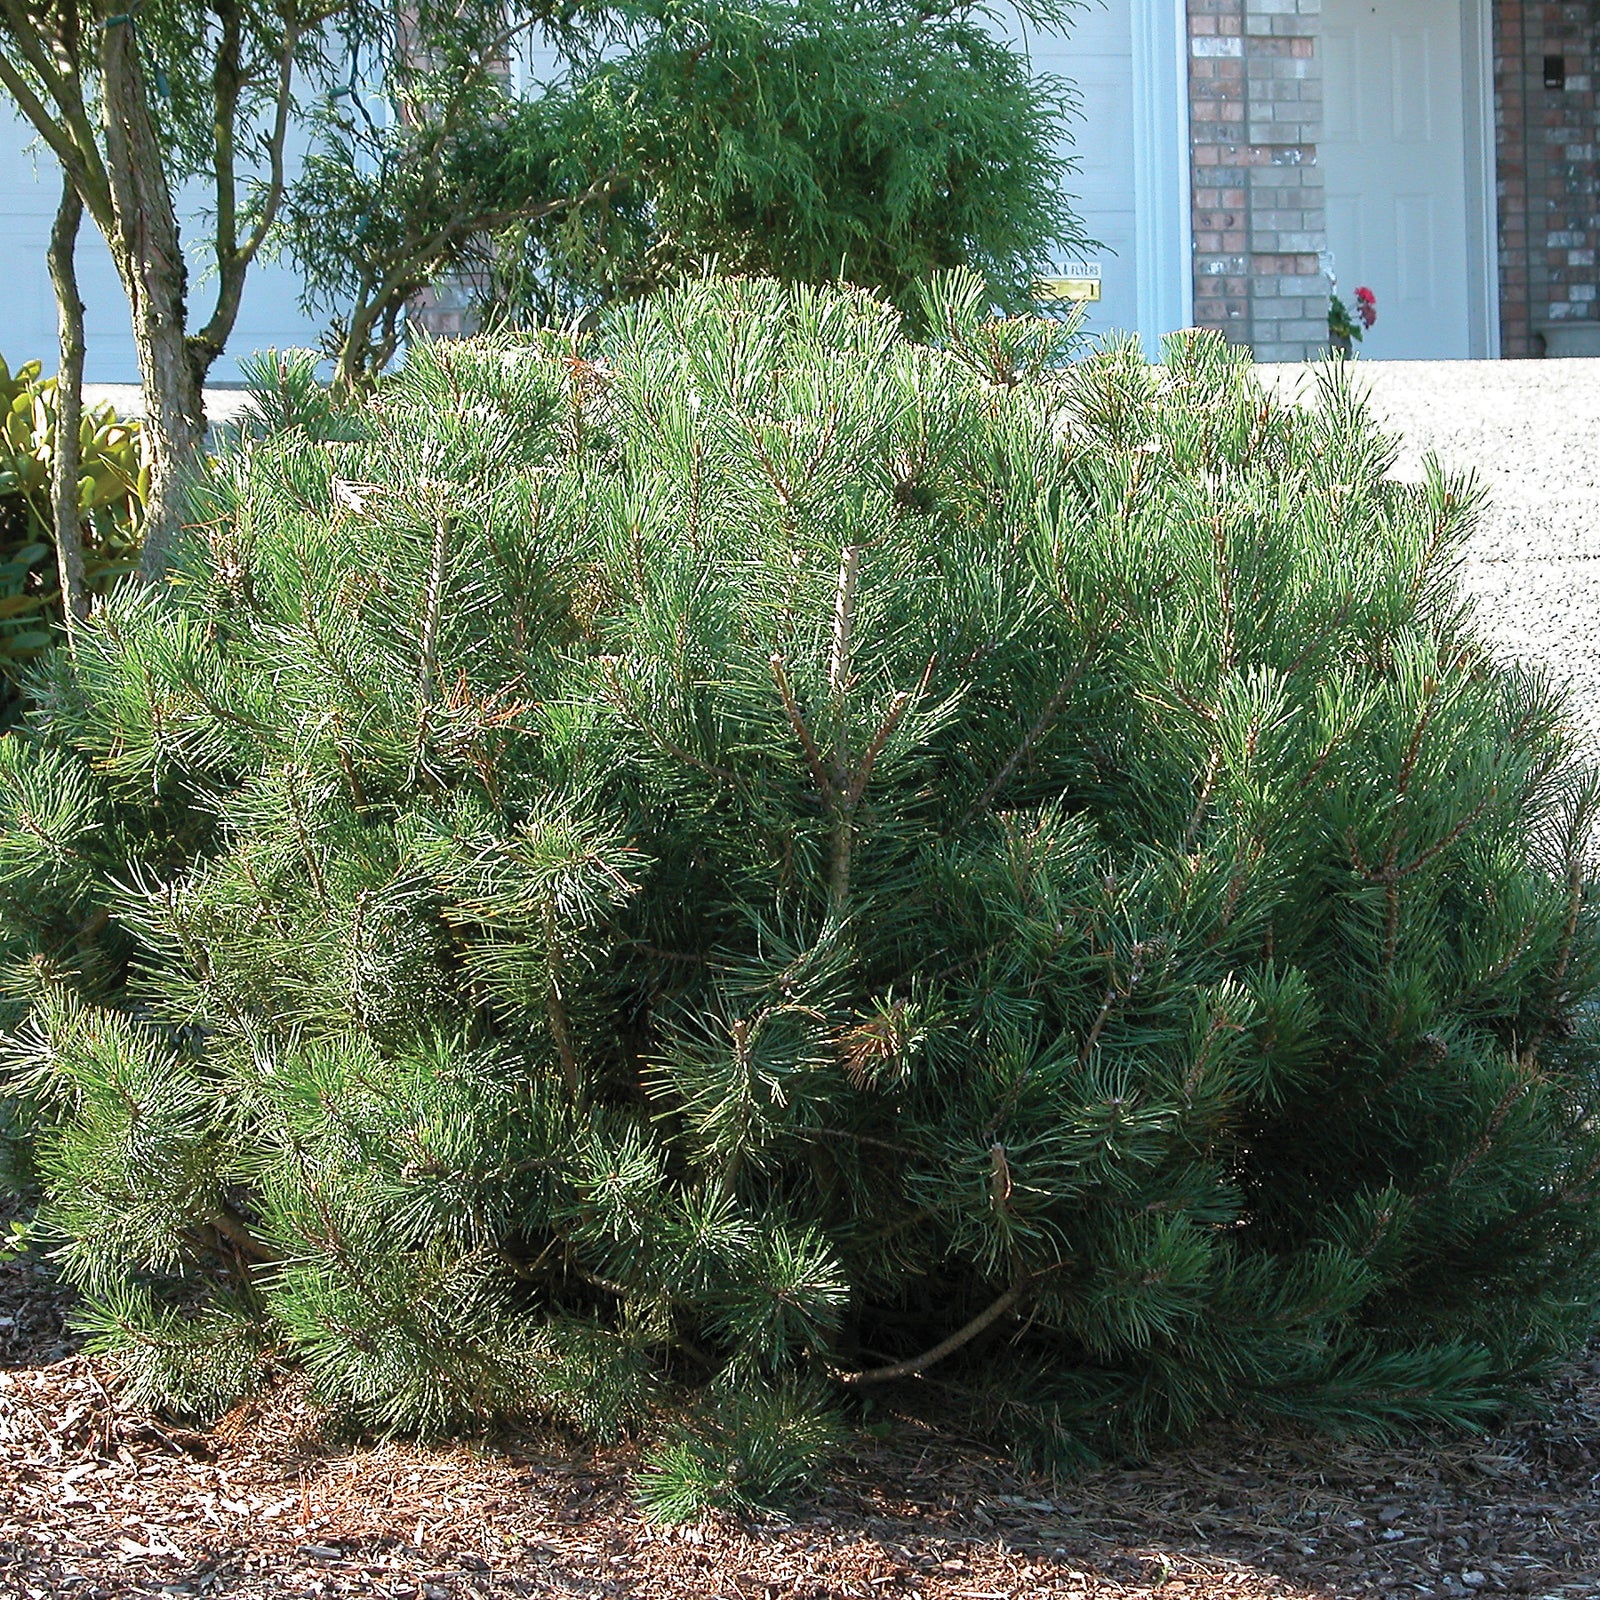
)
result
[(963, 1335), (802, 732), (432, 605), (234, 1229), (1041, 725), (839, 660), (556, 1004)]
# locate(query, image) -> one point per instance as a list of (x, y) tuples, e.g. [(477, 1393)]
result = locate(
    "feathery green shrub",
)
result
[(756, 857)]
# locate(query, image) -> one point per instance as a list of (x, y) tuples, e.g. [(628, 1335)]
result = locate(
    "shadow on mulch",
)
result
[(33, 1310), (99, 1499)]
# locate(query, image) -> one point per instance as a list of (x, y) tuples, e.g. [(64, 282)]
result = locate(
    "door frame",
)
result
[(1483, 218), (1163, 219)]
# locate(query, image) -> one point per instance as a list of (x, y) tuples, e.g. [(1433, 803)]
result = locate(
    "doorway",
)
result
[(1402, 85)]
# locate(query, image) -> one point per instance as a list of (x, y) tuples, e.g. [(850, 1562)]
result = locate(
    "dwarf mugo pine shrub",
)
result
[(760, 857)]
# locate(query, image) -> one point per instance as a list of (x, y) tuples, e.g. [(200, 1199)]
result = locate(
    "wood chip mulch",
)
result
[(99, 1499)]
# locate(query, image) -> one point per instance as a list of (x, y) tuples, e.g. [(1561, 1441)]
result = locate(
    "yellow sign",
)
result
[(1080, 282)]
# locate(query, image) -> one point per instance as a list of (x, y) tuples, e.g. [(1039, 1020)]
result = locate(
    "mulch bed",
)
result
[(100, 1499)]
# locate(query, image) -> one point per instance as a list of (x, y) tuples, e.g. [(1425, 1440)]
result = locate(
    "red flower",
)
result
[(1366, 306)]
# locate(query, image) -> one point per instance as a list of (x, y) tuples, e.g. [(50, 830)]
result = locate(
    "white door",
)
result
[(1394, 160)]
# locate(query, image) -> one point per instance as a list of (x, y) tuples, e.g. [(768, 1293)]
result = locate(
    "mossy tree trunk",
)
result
[(66, 459), (148, 252)]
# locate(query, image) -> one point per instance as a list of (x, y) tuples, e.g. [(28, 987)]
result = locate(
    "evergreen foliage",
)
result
[(806, 139), (760, 856)]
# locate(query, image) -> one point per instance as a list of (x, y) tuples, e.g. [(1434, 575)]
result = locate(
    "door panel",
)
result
[(1416, 259), (1410, 88), (1344, 224), (1393, 155), (1340, 117)]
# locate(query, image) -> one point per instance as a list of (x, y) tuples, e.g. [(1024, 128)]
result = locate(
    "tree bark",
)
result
[(67, 459), (233, 256), (149, 258), (354, 368)]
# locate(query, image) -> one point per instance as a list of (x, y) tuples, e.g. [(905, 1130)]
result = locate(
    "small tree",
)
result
[(133, 102), (137, 102), (385, 208), (759, 858), (810, 141)]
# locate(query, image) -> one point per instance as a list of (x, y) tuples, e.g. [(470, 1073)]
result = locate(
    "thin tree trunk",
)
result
[(354, 366), (149, 260), (66, 461)]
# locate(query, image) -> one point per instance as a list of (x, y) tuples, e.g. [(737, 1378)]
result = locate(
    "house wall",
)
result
[(1096, 55), (1548, 174), (1255, 110), (30, 188), (1257, 212)]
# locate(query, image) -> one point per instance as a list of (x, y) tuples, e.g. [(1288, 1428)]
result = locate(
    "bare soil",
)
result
[(99, 1499)]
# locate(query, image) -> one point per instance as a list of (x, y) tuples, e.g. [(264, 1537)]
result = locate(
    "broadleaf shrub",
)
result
[(759, 855), (111, 488)]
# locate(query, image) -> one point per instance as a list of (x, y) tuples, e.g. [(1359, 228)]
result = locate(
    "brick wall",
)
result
[(449, 308), (1511, 179), (1255, 111), (1547, 172)]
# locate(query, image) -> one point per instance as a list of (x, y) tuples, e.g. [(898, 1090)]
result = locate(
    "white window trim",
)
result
[(1162, 192)]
